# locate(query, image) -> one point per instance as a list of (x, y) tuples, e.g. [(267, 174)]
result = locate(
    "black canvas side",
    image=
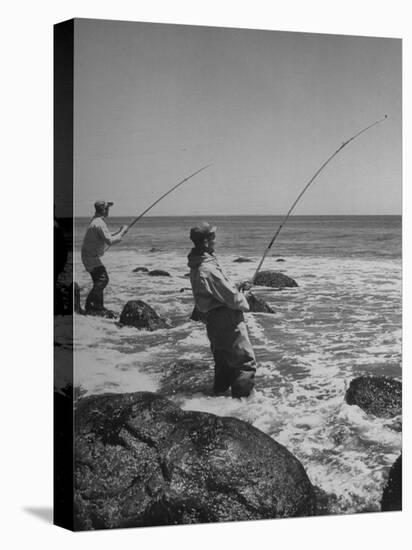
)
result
[(63, 274)]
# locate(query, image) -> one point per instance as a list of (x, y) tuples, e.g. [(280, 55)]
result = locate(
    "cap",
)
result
[(201, 231), (102, 205)]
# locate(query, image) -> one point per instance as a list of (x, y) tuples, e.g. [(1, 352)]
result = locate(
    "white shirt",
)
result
[(95, 241)]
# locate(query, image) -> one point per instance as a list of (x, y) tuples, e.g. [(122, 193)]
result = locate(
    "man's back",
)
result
[(96, 239)]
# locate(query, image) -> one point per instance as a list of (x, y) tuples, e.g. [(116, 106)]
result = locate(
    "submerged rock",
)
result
[(377, 395), (274, 279), (187, 378), (137, 313), (392, 493), (158, 273), (140, 269), (257, 305), (242, 259), (142, 461)]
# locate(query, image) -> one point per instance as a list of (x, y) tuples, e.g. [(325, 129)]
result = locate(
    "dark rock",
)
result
[(241, 259), (280, 260), (137, 313), (154, 249), (198, 315), (257, 305), (392, 493), (186, 378), (274, 279), (142, 461), (159, 273), (326, 503), (377, 395), (140, 269)]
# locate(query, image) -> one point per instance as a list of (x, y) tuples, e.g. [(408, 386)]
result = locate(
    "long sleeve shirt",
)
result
[(211, 288), (95, 241)]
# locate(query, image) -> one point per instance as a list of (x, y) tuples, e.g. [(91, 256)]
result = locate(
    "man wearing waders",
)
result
[(96, 239), (223, 304)]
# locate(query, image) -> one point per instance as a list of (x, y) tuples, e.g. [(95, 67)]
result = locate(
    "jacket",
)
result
[(211, 288)]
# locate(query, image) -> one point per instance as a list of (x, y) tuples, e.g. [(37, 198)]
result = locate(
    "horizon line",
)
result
[(236, 215)]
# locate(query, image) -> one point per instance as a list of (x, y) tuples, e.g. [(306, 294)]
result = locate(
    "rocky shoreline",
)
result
[(142, 461)]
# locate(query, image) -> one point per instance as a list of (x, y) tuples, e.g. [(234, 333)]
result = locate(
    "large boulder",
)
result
[(138, 314), (377, 395), (274, 279), (392, 493), (142, 461)]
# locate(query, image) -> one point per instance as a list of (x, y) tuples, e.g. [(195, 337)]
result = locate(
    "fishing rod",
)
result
[(163, 196), (284, 220), (167, 193)]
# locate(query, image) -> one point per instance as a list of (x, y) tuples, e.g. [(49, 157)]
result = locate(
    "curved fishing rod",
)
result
[(306, 187), (163, 196), (167, 193)]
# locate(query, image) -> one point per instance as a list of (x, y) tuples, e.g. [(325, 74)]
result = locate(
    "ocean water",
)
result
[(343, 320)]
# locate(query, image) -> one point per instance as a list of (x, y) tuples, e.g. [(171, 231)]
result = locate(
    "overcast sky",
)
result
[(153, 103)]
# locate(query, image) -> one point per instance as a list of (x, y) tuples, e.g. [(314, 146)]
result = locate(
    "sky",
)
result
[(153, 103)]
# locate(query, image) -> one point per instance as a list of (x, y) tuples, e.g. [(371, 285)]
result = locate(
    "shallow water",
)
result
[(344, 319)]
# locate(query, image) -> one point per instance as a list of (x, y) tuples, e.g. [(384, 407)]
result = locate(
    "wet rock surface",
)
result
[(392, 493), (187, 378), (257, 305), (275, 279), (158, 273), (377, 395), (140, 315), (140, 461)]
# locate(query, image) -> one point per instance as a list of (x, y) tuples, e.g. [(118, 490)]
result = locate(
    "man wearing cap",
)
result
[(96, 239), (223, 306)]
